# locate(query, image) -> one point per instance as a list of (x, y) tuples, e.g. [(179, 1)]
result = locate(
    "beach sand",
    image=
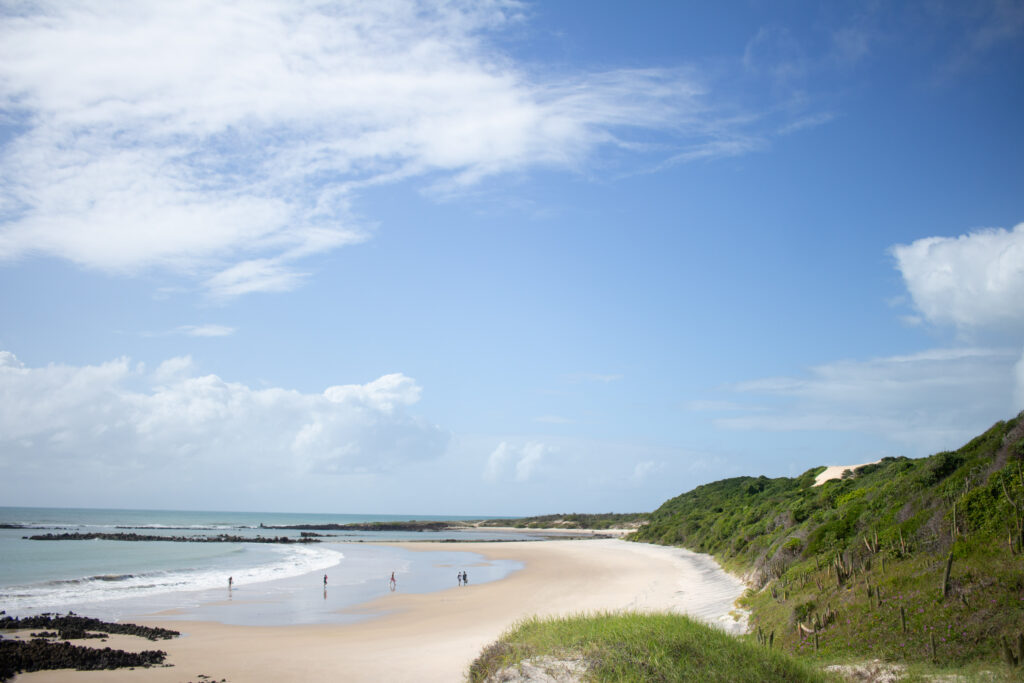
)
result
[(435, 636)]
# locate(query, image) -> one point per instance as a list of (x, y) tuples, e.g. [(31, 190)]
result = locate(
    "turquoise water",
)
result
[(273, 584)]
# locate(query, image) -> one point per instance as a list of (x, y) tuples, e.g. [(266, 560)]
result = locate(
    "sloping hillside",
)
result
[(909, 559)]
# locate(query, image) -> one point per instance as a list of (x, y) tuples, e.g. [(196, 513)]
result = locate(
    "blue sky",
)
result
[(499, 258)]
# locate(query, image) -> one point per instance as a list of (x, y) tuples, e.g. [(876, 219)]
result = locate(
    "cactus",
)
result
[(945, 575), (1011, 659)]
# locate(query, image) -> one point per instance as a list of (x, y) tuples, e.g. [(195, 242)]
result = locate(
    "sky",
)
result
[(499, 258)]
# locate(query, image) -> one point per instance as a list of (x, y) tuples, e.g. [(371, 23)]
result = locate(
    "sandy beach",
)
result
[(435, 636)]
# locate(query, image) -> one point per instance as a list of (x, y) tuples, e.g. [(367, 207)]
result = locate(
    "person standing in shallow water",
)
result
[(231, 581), (325, 580)]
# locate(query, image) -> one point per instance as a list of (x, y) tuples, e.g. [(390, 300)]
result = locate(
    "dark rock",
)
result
[(219, 538)]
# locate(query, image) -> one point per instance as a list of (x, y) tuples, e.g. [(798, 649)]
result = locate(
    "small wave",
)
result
[(86, 579), (276, 563)]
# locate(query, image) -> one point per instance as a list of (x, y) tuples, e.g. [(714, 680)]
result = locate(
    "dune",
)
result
[(836, 471)]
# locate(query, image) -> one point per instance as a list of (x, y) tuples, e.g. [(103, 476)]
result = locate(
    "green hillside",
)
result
[(910, 560)]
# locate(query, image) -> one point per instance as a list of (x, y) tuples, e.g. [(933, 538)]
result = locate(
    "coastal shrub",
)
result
[(803, 611), (793, 546), (940, 466), (806, 480)]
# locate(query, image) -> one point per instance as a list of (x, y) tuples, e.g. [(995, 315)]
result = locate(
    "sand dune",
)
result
[(836, 472)]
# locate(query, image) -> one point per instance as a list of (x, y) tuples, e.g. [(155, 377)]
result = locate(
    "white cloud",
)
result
[(643, 469), (496, 462), (930, 400), (971, 281), (174, 368), (226, 141), (519, 462), (385, 394), (532, 457), (171, 422)]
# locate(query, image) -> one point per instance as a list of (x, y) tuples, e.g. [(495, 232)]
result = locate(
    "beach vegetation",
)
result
[(634, 647), (575, 520), (918, 561)]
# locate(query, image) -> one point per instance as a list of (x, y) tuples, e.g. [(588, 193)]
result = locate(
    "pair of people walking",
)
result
[(463, 579)]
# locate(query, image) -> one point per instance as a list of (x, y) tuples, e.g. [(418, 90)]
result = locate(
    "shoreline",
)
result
[(434, 636)]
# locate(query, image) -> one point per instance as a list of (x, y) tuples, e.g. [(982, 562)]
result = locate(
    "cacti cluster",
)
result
[(1014, 659)]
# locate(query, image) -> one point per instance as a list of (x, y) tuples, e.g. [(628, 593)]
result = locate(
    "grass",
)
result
[(640, 647)]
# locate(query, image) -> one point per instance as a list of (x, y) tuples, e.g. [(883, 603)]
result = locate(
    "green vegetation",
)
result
[(609, 520), (918, 561), (635, 647)]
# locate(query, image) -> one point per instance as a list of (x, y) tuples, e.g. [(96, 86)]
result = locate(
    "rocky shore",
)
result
[(42, 654), (71, 625), (200, 538), (411, 525)]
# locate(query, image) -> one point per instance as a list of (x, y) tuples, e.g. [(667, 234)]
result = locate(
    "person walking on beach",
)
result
[(231, 580), (465, 578), (460, 578), (392, 582), (325, 580)]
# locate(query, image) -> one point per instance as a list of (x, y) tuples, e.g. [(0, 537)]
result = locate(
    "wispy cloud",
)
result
[(227, 141), (206, 330), (929, 400), (705, 405)]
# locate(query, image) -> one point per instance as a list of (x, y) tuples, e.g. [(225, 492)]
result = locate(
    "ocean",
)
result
[(271, 584)]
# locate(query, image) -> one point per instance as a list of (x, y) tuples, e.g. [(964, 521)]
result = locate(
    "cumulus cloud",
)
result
[(971, 281), (974, 282), (933, 399), (120, 417), (226, 141), (518, 462)]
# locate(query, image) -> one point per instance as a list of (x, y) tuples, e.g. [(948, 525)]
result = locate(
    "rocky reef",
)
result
[(198, 538), (41, 653)]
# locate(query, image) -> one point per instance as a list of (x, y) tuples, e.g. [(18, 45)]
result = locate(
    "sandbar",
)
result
[(435, 636)]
